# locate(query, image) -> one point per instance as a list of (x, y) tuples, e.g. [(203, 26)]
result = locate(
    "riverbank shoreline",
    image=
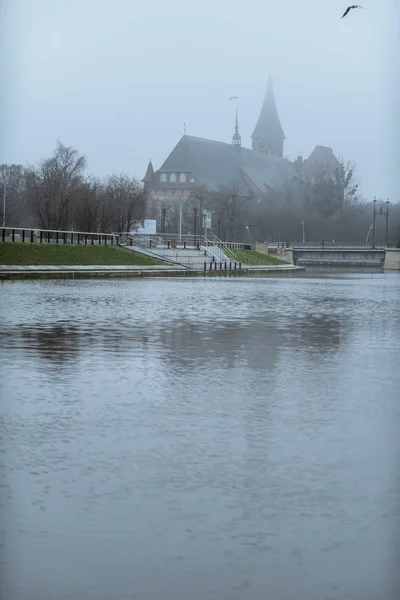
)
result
[(8, 272)]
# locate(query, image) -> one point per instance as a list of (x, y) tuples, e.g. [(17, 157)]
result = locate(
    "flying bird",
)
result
[(348, 9)]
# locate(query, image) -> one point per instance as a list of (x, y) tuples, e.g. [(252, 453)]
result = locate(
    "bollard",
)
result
[(230, 266), (235, 265), (13, 235), (78, 238), (184, 245), (85, 239), (210, 266), (220, 266), (3, 234), (215, 267), (72, 238), (31, 236), (112, 240), (149, 243), (23, 235), (205, 266), (41, 236), (92, 239), (48, 237), (57, 237), (240, 266), (198, 245), (226, 266)]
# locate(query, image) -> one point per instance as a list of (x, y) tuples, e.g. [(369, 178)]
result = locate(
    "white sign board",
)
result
[(146, 227)]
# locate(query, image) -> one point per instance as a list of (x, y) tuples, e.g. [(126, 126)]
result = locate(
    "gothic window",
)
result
[(163, 177), (182, 177), (172, 178)]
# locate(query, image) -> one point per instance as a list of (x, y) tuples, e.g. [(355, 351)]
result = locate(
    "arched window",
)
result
[(182, 177), (172, 178), (163, 177)]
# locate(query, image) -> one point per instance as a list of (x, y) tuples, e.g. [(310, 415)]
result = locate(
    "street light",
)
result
[(4, 202), (381, 213), (304, 236), (387, 221), (163, 210), (180, 222), (195, 210), (373, 223)]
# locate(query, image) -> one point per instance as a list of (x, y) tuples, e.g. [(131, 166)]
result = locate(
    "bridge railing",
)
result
[(184, 241), (32, 235), (329, 245)]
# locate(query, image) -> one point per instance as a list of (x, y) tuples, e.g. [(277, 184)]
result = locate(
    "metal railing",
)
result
[(212, 245), (185, 242), (222, 266), (32, 235), (328, 245)]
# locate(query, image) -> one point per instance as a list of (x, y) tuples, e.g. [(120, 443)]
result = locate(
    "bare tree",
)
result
[(88, 209), (12, 189), (126, 199), (52, 186), (231, 205)]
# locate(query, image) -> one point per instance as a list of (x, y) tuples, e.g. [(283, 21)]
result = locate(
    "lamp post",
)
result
[(180, 222), (304, 235), (4, 202), (163, 210), (373, 223), (387, 222), (195, 210)]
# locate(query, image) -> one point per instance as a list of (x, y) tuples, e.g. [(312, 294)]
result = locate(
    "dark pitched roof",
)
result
[(217, 163), (322, 156), (268, 125)]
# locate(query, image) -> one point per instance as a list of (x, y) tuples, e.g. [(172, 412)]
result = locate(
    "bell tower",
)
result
[(268, 134)]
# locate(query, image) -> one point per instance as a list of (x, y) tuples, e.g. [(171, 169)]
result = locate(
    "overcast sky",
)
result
[(71, 67)]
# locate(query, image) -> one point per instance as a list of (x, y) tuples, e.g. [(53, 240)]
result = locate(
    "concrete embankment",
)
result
[(95, 272), (392, 260)]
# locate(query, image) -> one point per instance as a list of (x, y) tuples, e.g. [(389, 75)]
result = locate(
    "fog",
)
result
[(69, 70)]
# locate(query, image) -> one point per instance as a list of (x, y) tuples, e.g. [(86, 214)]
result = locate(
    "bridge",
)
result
[(351, 254)]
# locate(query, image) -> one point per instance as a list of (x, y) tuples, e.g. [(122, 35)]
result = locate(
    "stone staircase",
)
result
[(185, 254)]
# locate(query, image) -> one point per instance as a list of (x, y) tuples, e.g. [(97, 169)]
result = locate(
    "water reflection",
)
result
[(200, 439), (182, 342)]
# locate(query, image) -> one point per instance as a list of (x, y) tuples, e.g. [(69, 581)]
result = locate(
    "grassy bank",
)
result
[(52, 254), (249, 257)]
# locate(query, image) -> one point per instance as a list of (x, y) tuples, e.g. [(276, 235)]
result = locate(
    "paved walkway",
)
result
[(94, 271), (92, 268)]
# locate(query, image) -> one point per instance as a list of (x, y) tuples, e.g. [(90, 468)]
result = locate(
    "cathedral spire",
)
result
[(268, 134), (236, 139)]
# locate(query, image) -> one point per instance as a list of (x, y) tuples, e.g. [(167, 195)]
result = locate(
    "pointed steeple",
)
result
[(149, 177), (236, 139), (268, 134)]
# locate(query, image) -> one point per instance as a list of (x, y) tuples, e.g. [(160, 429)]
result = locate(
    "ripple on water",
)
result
[(200, 438)]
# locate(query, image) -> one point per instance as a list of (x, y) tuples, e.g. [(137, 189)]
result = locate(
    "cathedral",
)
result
[(198, 162)]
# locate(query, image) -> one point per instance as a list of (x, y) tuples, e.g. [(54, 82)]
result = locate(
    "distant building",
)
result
[(198, 162)]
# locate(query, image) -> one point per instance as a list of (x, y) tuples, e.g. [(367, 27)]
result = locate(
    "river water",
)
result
[(200, 439)]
